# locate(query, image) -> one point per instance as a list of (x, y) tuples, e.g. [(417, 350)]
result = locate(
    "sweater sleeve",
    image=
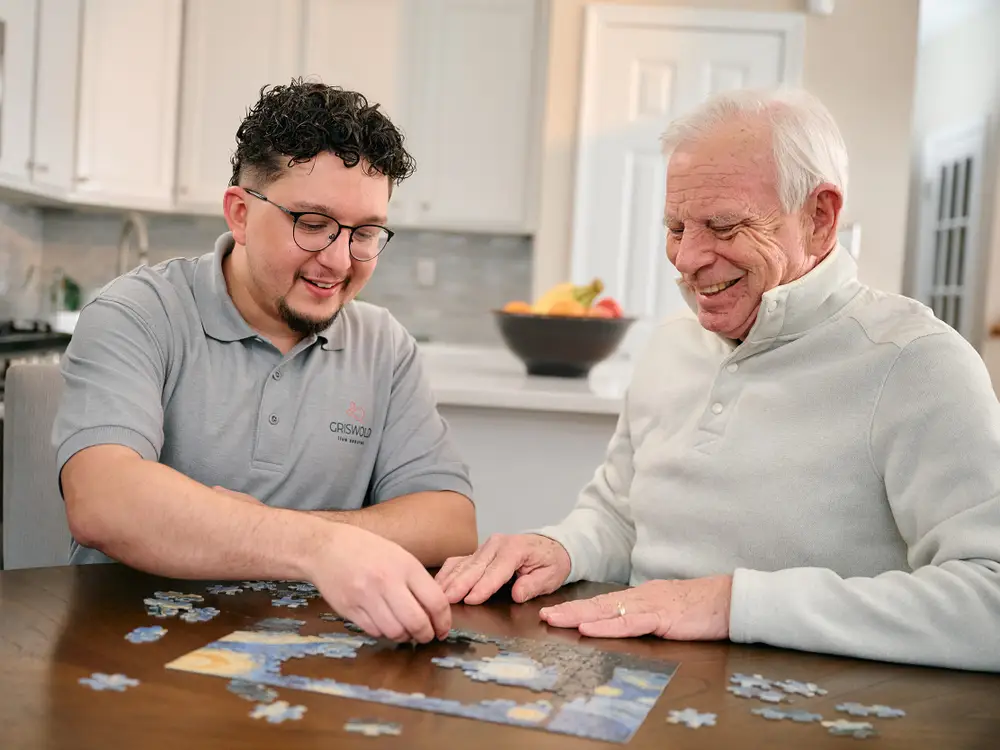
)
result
[(935, 441), (599, 533)]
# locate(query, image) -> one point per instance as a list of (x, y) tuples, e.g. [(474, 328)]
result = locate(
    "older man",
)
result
[(809, 463)]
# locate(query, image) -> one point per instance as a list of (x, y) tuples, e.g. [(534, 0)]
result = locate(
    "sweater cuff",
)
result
[(747, 585)]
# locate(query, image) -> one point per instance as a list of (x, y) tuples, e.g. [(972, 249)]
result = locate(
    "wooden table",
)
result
[(60, 624)]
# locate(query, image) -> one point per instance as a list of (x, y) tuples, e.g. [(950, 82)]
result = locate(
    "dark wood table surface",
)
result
[(60, 624)]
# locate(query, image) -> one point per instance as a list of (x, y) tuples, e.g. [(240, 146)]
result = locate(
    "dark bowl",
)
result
[(561, 346)]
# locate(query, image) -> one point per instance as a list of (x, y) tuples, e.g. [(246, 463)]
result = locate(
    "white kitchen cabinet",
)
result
[(17, 81), (127, 122), (232, 48), (56, 90), (475, 113)]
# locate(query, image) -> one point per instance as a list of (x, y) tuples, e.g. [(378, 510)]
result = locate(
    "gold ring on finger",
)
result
[(621, 609)]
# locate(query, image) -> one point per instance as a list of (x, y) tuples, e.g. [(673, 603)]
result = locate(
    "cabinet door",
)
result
[(17, 81), (56, 94), (363, 46), (476, 98), (127, 123), (223, 74)]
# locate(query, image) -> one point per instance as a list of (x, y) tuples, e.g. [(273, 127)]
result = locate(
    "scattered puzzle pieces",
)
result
[(251, 691), (101, 681), (778, 714), (805, 689), (278, 712), (882, 712), (373, 727), (690, 718), (176, 596), (277, 625), (751, 681), (146, 634), (858, 729), (199, 614), (227, 590), (259, 585), (768, 696), (289, 601)]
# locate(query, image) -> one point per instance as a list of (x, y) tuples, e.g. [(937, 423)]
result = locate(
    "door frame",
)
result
[(970, 137), (600, 16)]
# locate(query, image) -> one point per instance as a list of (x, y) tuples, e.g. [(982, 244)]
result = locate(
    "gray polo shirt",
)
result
[(162, 362)]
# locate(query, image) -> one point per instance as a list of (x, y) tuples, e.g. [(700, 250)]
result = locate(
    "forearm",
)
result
[(155, 519), (940, 615), (432, 526)]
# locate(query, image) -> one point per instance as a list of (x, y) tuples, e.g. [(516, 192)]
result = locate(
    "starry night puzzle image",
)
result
[(567, 689)]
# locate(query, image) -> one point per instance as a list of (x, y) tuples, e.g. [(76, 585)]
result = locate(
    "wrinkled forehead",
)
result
[(728, 172)]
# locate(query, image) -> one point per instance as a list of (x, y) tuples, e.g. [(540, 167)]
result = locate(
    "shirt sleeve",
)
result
[(935, 440), (416, 453), (113, 374), (599, 532)]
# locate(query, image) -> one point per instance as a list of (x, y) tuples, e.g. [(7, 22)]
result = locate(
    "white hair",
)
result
[(808, 146)]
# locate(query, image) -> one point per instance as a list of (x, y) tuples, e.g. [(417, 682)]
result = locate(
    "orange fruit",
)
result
[(517, 307), (568, 308)]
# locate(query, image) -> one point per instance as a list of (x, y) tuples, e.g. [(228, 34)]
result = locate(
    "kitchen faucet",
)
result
[(134, 227)]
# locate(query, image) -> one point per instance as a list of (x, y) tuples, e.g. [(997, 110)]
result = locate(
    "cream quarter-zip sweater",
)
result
[(842, 463)]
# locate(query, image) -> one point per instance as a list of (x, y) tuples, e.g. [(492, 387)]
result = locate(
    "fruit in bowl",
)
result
[(566, 331)]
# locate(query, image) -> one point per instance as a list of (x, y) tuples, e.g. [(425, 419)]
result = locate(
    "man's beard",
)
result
[(301, 324)]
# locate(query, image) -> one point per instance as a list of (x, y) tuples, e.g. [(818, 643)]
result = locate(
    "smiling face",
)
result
[(727, 233), (279, 288)]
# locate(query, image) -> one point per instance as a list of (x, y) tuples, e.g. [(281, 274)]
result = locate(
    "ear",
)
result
[(234, 206), (823, 211)]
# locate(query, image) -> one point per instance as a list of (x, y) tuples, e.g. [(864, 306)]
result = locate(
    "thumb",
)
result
[(538, 582)]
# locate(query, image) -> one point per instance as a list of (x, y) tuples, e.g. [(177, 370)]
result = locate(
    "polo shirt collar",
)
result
[(791, 310), (219, 316)]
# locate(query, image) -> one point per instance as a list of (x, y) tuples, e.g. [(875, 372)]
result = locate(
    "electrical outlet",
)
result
[(426, 272)]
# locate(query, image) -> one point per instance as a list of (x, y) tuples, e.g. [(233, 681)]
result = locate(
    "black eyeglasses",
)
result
[(314, 232)]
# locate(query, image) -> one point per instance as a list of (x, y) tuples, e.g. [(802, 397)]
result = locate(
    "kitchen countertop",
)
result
[(492, 377)]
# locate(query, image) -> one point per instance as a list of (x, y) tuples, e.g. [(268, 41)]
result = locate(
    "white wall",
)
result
[(958, 82), (860, 61)]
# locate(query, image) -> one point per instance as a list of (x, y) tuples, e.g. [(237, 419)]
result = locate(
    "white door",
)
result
[(475, 93), (129, 73), (56, 94), (644, 66), (222, 76), (950, 263), (17, 83)]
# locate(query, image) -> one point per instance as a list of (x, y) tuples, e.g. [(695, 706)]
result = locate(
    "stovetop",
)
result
[(11, 327)]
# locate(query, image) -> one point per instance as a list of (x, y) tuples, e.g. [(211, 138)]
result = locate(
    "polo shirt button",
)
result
[(276, 375), (717, 408), (733, 367), (273, 419)]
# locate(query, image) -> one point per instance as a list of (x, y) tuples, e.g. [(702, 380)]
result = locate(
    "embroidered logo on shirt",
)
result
[(354, 434)]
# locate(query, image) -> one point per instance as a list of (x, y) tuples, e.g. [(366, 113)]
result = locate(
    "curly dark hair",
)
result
[(292, 124)]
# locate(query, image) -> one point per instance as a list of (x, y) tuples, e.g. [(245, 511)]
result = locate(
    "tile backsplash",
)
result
[(20, 261), (472, 273)]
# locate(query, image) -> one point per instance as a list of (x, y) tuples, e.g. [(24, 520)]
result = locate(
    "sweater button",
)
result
[(733, 367), (717, 408)]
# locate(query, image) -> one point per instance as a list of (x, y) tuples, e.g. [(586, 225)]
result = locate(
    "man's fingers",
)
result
[(629, 626), (573, 614), (363, 621), (432, 601), (384, 620), (408, 612)]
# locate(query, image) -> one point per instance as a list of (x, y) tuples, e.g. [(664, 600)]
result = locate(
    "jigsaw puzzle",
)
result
[(576, 690)]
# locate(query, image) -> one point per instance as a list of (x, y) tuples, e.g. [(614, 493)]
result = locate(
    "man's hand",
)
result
[(695, 610), (541, 564), (379, 586)]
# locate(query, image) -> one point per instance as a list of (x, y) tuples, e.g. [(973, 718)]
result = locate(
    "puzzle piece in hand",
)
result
[(768, 696), (806, 689), (751, 681), (882, 712), (251, 691), (504, 669), (277, 712), (178, 597), (277, 625), (795, 714), (101, 681), (690, 718), (146, 634), (289, 601), (227, 590), (199, 614), (373, 727), (858, 729)]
